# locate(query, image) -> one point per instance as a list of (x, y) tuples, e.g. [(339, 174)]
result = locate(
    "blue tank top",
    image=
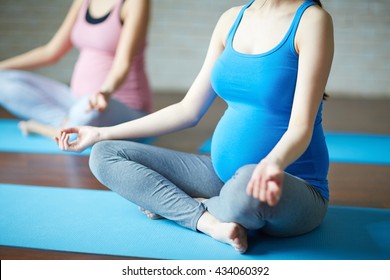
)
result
[(259, 91)]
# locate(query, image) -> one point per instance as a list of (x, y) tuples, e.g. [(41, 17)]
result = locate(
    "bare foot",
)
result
[(34, 127), (23, 126), (149, 214), (230, 233)]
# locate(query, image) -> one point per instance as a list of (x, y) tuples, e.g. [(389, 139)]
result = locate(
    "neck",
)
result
[(272, 4), (258, 4)]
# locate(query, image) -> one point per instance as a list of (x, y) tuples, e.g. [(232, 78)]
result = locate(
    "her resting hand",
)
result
[(87, 136), (266, 183), (98, 102)]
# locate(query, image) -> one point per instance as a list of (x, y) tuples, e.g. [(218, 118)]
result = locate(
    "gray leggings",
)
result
[(166, 182), (34, 97)]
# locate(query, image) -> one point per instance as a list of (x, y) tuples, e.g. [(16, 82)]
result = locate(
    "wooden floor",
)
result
[(350, 184)]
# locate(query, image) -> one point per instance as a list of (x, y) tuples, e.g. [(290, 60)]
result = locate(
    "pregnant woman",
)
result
[(109, 84), (270, 61)]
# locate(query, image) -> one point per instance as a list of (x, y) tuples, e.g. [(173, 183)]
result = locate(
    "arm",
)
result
[(51, 52), (184, 114), (133, 35), (134, 32), (315, 45)]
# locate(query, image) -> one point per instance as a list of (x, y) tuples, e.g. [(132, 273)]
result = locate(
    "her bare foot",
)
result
[(34, 127), (23, 126), (230, 233), (149, 214)]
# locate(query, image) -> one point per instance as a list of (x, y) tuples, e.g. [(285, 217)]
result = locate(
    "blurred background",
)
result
[(180, 32)]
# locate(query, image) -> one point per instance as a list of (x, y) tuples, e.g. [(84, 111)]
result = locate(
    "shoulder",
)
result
[(74, 10), (316, 25), (316, 17), (229, 16), (132, 5), (226, 21), (76, 4)]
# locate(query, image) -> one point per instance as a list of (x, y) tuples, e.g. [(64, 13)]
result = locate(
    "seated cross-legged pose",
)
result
[(270, 61), (109, 84)]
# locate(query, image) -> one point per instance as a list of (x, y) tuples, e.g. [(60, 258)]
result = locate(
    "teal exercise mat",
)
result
[(348, 148), (102, 222), (358, 148), (13, 141)]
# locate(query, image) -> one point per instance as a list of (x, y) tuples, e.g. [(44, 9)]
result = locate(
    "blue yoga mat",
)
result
[(348, 148), (13, 141), (102, 222)]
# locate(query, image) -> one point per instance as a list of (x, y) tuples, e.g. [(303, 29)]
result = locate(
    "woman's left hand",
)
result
[(266, 182), (86, 137), (98, 102)]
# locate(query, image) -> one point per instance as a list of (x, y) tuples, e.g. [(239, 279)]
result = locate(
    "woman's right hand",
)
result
[(98, 102), (266, 183), (86, 136)]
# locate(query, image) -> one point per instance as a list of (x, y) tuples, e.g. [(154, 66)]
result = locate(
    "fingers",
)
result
[(266, 183), (263, 188), (85, 137), (257, 186), (267, 191), (56, 139), (254, 183), (59, 141), (250, 187), (273, 193), (63, 141), (102, 103), (91, 105), (98, 102), (70, 130)]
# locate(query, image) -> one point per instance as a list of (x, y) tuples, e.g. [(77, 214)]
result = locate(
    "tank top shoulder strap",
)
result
[(118, 5), (237, 21), (117, 10), (298, 16), (84, 7)]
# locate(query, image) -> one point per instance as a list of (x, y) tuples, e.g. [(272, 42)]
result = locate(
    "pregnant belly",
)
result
[(241, 139)]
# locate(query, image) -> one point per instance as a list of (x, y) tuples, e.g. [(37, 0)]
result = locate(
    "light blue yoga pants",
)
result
[(165, 182), (31, 96)]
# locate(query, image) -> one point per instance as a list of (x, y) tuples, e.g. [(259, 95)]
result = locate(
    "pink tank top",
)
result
[(97, 43)]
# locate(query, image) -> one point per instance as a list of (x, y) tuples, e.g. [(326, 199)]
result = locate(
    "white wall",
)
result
[(180, 33), (362, 55)]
